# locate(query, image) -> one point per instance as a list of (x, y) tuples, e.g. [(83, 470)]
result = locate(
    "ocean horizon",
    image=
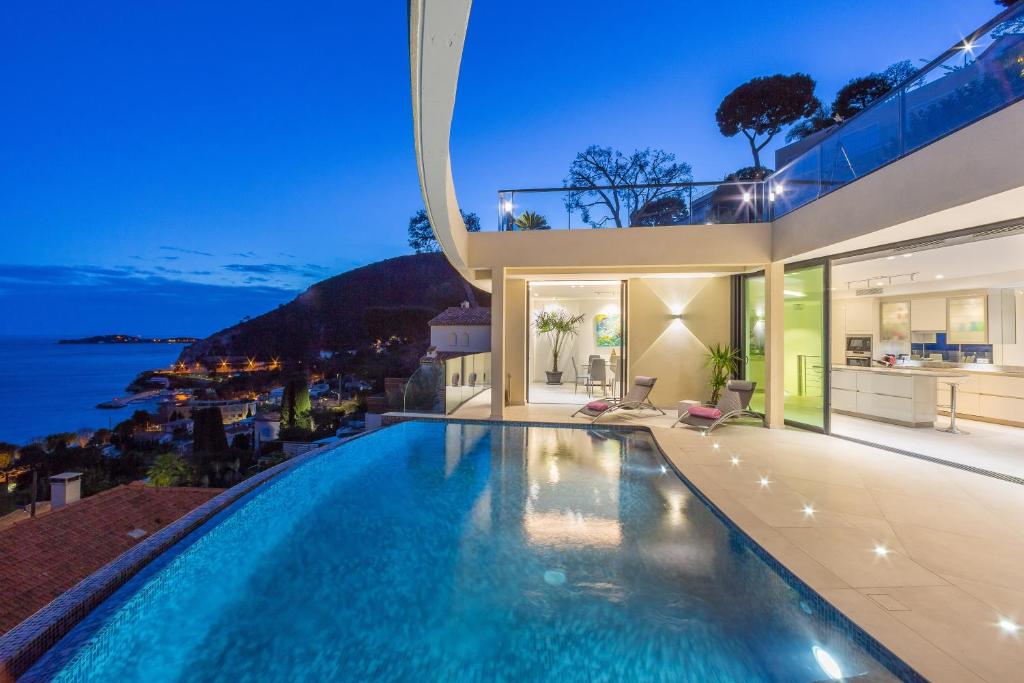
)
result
[(46, 387)]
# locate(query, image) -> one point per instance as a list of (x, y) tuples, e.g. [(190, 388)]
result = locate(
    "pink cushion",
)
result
[(598, 405), (704, 411)]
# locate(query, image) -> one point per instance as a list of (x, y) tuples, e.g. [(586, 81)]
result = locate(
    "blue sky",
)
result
[(167, 168)]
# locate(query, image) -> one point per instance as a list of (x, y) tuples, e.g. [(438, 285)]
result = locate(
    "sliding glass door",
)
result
[(805, 351), (752, 341)]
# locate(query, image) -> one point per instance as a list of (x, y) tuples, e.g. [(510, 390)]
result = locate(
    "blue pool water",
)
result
[(441, 552)]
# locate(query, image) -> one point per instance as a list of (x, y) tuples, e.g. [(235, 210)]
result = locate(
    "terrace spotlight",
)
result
[(746, 197)]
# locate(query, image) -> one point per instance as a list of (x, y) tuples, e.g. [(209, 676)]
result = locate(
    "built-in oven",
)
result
[(858, 345), (858, 349)]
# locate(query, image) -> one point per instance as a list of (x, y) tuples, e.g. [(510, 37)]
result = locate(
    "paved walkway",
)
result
[(927, 558)]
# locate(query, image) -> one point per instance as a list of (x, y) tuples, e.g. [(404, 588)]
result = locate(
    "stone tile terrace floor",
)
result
[(955, 539)]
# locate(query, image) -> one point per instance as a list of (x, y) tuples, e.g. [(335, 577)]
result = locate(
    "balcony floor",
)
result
[(955, 565)]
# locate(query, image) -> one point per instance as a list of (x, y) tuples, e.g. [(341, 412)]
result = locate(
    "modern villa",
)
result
[(869, 285), (761, 430)]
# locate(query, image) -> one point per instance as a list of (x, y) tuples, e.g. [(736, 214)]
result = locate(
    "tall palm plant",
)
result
[(529, 220), (722, 360), (559, 327)]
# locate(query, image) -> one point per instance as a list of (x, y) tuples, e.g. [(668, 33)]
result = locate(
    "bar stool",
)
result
[(953, 383)]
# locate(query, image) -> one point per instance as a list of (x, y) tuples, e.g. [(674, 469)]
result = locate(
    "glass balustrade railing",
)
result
[(632, 206), (441, 386), (971, 80)]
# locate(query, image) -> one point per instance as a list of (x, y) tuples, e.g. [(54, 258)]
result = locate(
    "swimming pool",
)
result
[(451, 551)]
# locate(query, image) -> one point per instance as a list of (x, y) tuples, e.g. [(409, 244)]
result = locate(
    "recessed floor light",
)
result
[(717, 446), (809, 510), (881, 550), (764, 481), (734, 460), (664, 470), (1009, 626), (939, 276)]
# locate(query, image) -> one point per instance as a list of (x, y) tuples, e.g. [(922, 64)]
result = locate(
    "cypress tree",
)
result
[(208, 431)]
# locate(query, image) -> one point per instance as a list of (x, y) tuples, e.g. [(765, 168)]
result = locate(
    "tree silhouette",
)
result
[(763, 106), (613, 186), (421, 235)]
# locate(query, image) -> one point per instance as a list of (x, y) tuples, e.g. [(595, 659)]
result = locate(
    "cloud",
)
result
[(245, 254), (186, 251), (309, 270), (70, 300)]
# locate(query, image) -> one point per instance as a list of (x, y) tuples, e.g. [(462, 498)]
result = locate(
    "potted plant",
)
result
[(559, 327), (722, 360)]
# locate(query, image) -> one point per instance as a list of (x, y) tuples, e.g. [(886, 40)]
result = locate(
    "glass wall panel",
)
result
[(804, 346), (753, 337)]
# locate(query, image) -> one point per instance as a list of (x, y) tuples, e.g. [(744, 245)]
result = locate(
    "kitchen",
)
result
[(927, 349)]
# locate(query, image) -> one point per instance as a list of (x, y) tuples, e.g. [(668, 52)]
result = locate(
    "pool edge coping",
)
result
[(26, 643)]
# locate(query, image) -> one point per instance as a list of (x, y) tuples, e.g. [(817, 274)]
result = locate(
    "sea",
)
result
[(46, 387)]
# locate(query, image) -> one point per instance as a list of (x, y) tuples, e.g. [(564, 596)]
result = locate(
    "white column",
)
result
[(497, 342)]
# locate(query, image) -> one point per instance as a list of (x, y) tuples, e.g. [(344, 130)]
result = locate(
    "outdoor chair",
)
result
[(635, 399), (455, 379), (472, 379), (734, 402)]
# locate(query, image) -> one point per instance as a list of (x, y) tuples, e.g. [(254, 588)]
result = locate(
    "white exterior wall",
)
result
[(461, 338)]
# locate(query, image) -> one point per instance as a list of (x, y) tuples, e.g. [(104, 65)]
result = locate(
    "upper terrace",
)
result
[(905, 165)]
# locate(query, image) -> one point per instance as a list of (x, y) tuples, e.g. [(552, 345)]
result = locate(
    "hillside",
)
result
[(349, 311)]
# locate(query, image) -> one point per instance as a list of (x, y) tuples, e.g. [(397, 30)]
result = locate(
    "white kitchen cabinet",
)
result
[(897, 396), (1002, 408), (844, 400), (1001, 385), (928, 315), (860, 318), (844, 379)]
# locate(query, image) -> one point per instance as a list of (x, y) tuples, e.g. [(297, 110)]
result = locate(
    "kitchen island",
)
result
[(899, 395)]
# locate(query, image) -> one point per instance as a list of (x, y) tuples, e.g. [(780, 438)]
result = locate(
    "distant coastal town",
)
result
[(129, 339)]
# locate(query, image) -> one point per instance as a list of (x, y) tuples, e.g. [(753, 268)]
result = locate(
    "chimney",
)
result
[(65, 489)]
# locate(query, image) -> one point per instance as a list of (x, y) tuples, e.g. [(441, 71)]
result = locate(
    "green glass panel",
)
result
[(753, 337), (804, 346)]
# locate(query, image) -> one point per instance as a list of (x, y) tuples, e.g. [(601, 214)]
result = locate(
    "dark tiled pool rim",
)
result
[(24, 645)]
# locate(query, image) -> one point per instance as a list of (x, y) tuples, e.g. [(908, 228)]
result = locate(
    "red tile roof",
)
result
[(457, 315), (43, 557)]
